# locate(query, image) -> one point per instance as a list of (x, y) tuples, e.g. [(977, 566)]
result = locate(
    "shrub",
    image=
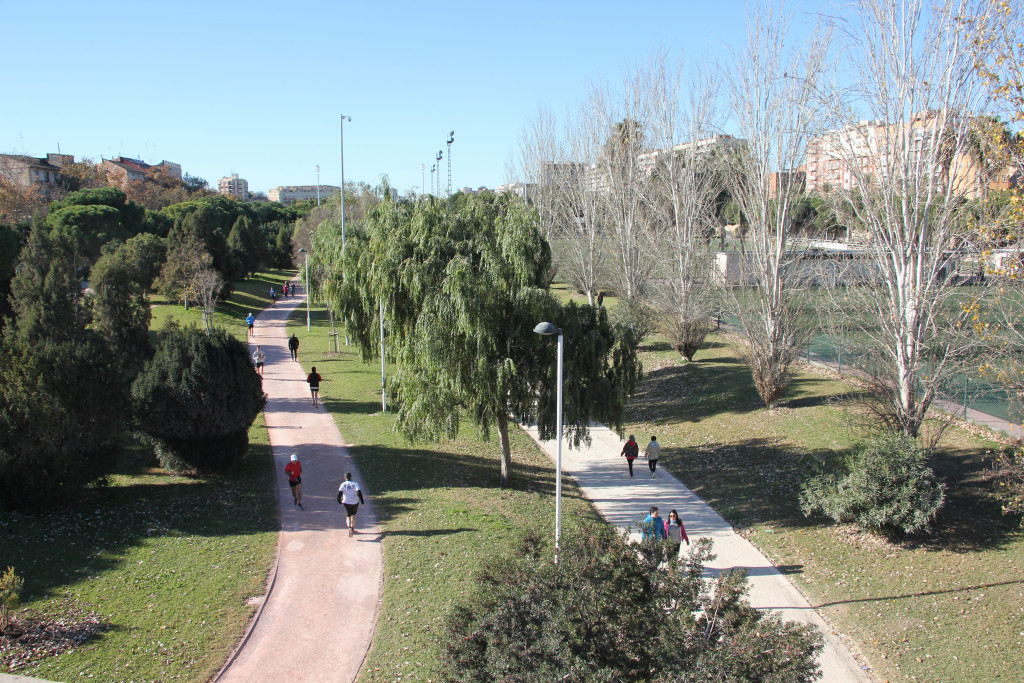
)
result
[(1007, 471), (62, 406), (196, 399), (884, 486), (614, 611), (635, 315), (10, 593)]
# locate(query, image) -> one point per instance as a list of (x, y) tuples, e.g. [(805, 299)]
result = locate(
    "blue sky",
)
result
[(256, 88)]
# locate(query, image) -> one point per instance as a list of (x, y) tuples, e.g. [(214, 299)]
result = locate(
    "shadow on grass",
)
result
[(921, 594), (681, 391), (426, 533), (754, 481), (395, 469), (89, 535)]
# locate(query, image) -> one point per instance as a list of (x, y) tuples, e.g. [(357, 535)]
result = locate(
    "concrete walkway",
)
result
[(319, 614), (603, 476)]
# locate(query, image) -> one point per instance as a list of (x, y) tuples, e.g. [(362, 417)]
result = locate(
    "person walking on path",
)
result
[(350, 496), (293, 346), (651, 453), (258, 358), (653, 526), (631, 450), (250, 320), (284, 290), (294, 471), (314, 379), (675, 531), (273, 297)]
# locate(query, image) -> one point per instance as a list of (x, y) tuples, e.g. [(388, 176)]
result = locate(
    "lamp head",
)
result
[(546, 329), (302, 251)]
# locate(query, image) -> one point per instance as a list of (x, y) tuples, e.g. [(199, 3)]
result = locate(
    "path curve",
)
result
[(318, 617), (602, 476)]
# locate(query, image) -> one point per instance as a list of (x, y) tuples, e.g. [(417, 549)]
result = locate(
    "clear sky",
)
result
[(256, 88)]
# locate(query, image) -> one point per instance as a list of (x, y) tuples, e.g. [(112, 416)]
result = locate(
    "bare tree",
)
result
[(772, 91), (559, 160), (621, 173), (905, 174), (188, 274), (682, 196)]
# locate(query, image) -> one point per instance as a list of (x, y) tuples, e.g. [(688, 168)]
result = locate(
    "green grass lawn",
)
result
[(252, 295), (440, 507), (950, 607), (167, 563)]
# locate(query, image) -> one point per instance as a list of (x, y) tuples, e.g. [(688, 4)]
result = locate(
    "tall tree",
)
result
[(681, 200), (916, 81), (462, 285), (120, 309), (772, 94)]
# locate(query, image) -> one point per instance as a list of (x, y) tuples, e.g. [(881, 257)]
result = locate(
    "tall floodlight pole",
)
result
[(451, 139), (318, 184), (547, 329), (306, 253), (432, 178), (343, 119), (440, 155), (423, 178)]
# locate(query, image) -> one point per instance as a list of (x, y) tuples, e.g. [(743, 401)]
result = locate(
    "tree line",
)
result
[(78, 367)]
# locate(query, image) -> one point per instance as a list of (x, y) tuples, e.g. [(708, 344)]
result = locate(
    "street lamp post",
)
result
[(383, 377), (318, 184), (306, 254), (547, 329)]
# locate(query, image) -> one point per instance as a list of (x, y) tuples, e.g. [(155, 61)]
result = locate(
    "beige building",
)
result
[(25, 171), (234, 186), (871, 149), (289, 194), (124, 170)]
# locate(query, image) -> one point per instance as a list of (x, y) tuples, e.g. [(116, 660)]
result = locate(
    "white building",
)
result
[(289, 194), (234, 186)]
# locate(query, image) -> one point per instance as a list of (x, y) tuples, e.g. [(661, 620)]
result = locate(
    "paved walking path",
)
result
[(603, 476), (319, 614)]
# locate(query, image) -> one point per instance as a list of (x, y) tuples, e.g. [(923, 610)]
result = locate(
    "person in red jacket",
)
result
[(631, 450), (294, 471)]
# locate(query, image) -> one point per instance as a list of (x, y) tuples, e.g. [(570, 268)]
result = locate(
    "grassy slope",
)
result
[(167, 561), (440, 507), (949, 608)]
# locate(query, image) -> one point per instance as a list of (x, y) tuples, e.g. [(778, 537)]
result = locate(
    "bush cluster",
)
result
[(615, 611), (1007, 471), (196, 399), (884, 486)]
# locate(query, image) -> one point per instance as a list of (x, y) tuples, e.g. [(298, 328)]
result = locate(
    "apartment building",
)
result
[(26, 171), (234, 186), (869, 150), (289, 194)]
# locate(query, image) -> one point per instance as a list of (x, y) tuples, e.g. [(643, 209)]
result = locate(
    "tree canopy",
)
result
[(463, 285)]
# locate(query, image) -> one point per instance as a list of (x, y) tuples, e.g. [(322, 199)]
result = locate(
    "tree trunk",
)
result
[(506, 450)]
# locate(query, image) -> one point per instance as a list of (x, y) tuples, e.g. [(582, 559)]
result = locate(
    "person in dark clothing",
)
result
[(293, 346), (631, 451)]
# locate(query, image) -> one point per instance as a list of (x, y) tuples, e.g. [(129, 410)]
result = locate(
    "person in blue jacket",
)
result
[(653, 526)]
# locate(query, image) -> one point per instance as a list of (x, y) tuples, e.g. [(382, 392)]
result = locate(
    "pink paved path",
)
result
[(319, 614)]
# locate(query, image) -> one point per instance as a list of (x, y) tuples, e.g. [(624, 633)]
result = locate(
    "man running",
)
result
[(293, 346), (350, 496), (250, 320), (294, 471), (651, 453), (314, 379), (258, 358), (631, 450), (273, 297)]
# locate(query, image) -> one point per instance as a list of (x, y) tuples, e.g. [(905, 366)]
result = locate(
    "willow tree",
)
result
[(462, 283)]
